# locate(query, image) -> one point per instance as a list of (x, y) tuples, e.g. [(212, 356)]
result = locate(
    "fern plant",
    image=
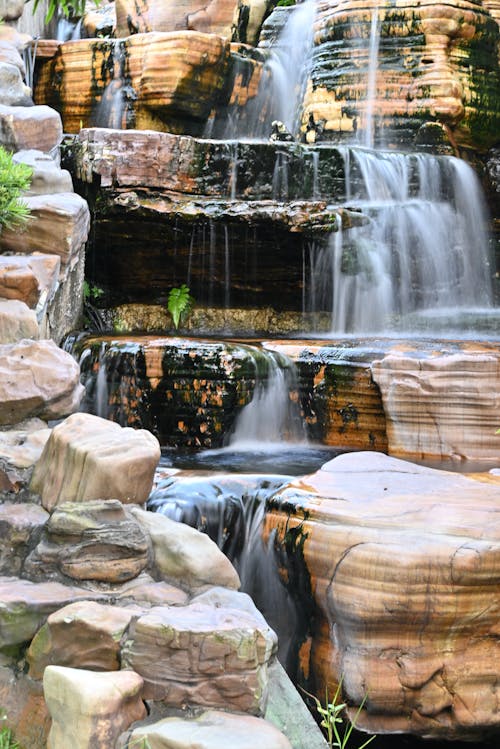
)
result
[(180, 303), (14, 180)]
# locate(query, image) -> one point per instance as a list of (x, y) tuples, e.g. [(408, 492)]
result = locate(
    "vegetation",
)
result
[(69, 8), (337, 729), (14, 180), (7, 740), (180, 303)]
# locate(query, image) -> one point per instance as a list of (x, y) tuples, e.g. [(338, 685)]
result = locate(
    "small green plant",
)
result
[(91, 293), (338, 730), (14, 180), (180, 303), (69, 8), (7, 740), (141, 742)]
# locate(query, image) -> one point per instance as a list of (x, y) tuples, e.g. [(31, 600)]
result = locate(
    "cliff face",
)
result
[(435, 63)]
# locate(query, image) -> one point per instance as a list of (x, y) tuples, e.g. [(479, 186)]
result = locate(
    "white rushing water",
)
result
[(273, 414), (371, 88), (423, 247)]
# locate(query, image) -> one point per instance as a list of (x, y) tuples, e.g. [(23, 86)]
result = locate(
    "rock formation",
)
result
[(398, 571)]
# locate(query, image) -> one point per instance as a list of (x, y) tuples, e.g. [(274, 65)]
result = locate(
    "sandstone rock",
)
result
[(90, 709), (93, 540), (29, 127), (81, 635), (37, 379), (215, 17), (201, 655), (22, 701), (403, 563), (10, 54), (26, 605), (47, 177), (23, 445), (20, 527), (212, 730), (29, 277), (59, 226), (17, 321), (90, 458), (144, 590), (11, 10), (12, 89), (416, 392), (185, 555)]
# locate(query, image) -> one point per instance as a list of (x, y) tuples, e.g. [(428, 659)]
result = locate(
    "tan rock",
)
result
[(441, 405), (22, 701), (26, 606), (59, 226), (11, 10), (22, 446), (9, 53), (90, 709), (29, 127), (37, 379), (88, 457), (28, 277), (144, 590), (404, 565), (211, 730), (47, 178), (20, 525), (81, 635), (13, 91), (93, 540), (215, 17), (17, 321), (184, 555), (201, 655)]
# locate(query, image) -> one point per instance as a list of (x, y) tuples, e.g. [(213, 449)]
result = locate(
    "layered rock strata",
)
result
[(398, 570)]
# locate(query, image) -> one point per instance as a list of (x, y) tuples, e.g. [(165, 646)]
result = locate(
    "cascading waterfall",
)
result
[(423, 247), (273, 414), (371, 89)]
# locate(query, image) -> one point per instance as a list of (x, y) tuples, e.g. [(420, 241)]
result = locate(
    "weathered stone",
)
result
[(17, 321), (90, 709), (216, 17), (401, 565), (184, 555), (29, 127), (202, 655), (144, 590), (432, 64), (22, 701), (23, 445), (37, 379), (59, 226), (10, 54), (13, 91), (212, 730), (93, 540), (20, 528), (47, 177), (91, 458), (443, 404), (28, 277), (81, 635), (25, 606), (11, 10)]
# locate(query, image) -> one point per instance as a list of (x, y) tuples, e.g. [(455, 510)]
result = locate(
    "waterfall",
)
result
[(423, 247), (371, 89), (110, 109), (273, 414)]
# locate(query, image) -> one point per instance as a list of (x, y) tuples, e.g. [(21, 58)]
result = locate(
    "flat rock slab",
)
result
[(88, 458), (404, 562), (60, 226), (17, 321), (27, 277), (212, 729), (95, 540), (202, 655), (90, 709), (24, 128), (37, 379), (25, 606)]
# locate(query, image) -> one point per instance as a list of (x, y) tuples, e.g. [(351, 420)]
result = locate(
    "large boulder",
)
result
[(89, 458), (37, 379), (94, 540), (90, 709), (397, 567), (29, 127), (200, 654)]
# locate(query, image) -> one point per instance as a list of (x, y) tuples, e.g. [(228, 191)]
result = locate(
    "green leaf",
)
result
[(180, 303)]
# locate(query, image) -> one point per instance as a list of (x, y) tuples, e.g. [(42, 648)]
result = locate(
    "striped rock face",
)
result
[(386, 72)]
